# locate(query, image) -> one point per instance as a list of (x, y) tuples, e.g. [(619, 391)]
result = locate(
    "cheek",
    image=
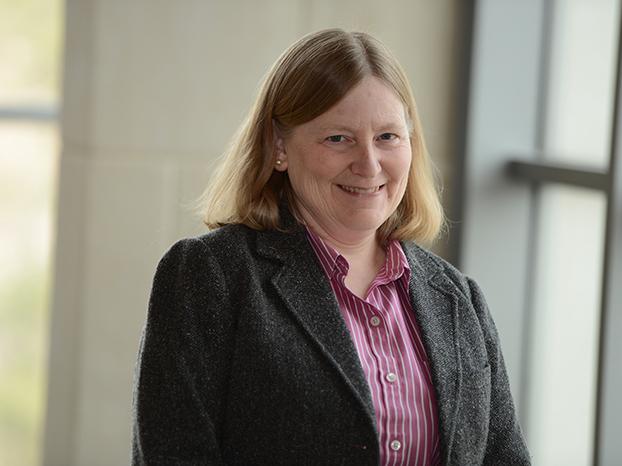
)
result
[(314, 168), (309, 181), (399, 166)]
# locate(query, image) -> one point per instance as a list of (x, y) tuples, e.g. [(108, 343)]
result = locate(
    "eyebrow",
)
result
[(341, 127), (336, 127)]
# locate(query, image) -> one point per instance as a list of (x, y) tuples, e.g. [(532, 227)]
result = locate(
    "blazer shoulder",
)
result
[(229, 252), (431, 264), (223, 241), (232, 234), (191, 279)]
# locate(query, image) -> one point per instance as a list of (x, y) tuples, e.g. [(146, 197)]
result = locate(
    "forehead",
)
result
[(371, 103)]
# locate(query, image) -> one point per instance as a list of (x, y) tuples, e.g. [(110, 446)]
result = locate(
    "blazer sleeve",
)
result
[(177, 378), (506, 444)]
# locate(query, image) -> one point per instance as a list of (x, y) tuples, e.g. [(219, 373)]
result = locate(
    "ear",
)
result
[(280, 154)]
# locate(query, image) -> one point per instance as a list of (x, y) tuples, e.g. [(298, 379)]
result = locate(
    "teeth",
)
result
[(354, 189)]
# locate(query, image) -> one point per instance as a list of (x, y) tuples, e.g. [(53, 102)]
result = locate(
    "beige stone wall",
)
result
[(153, 90)]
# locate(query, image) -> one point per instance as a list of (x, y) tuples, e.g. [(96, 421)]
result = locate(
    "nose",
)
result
[(366, 161)]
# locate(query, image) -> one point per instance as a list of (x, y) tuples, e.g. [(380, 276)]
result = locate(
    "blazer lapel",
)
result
[(435, 304), (304, 288)]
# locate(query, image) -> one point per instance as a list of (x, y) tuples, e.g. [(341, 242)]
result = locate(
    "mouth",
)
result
[(358, 190)]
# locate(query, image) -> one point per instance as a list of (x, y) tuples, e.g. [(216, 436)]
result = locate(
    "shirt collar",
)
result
[(332, 262), (394, 267)]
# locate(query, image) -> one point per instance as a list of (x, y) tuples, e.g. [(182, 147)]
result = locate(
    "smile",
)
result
[(357, 190)]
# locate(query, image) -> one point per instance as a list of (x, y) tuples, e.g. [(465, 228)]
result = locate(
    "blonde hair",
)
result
[(310, 77)]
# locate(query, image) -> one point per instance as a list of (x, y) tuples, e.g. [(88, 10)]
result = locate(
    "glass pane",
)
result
[(581, 81), (564, 327), (28, 160), (30, 43)]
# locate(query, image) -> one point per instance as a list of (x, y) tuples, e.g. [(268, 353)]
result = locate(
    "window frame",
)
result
[(502, 177)]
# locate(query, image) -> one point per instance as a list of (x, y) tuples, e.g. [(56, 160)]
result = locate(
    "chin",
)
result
[(368, 223)]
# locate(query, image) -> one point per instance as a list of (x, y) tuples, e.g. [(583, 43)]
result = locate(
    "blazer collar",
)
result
[(436, 302), (308, 296)]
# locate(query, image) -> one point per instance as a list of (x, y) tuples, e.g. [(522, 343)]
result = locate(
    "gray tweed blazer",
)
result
[(246, 360)]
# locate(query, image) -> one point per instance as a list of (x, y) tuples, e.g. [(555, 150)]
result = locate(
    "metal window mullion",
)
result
[(547, 172), (27, 112), (608, 428), (541, 118)]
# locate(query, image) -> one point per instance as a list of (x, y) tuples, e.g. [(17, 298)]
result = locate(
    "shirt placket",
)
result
[(388, 375)]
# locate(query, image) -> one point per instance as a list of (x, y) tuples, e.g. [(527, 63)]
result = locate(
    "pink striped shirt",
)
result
[(386, 337)]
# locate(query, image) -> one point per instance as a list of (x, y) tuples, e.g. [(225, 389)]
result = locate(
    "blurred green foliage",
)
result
[(30, 57), (31, 42), (22, 363)]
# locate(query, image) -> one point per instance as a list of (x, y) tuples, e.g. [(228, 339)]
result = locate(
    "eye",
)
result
[(387, 136), (336, 138)]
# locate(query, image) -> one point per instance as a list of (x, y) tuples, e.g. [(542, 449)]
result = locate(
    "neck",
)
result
[(365, 257), (358, 244), (358, 248)]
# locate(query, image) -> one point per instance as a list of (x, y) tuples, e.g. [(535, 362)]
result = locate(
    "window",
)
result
[(30, 34), (542, 199)]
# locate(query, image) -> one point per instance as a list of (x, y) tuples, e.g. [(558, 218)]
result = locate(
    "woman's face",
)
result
[(349, 166)]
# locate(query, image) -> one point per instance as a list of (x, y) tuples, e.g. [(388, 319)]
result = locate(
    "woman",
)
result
[(308, 327)]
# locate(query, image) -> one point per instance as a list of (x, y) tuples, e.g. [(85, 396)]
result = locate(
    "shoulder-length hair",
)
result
[(310, 77)]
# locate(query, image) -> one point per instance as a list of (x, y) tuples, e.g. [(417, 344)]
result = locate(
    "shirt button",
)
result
[(375, 321), (391, 377), (396, 445)]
